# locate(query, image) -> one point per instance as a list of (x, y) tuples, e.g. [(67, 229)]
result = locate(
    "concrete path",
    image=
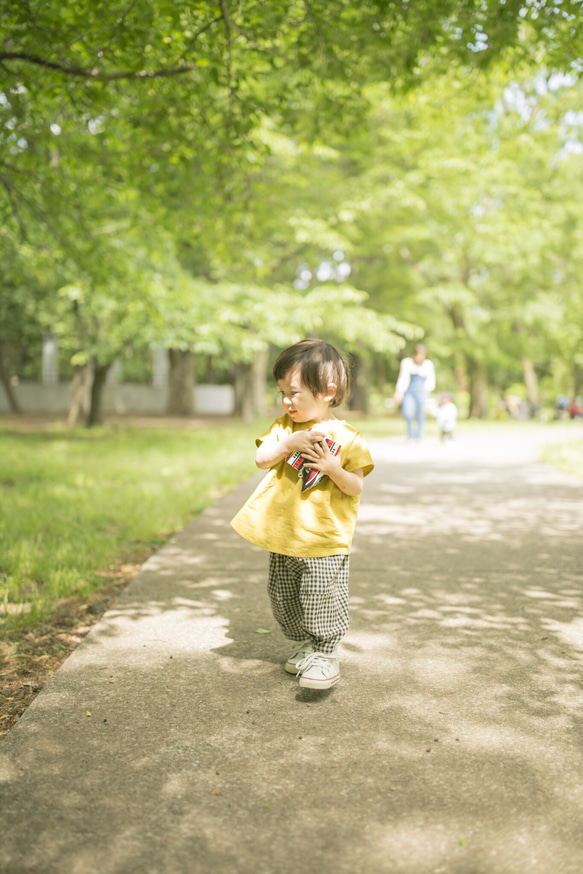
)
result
[(172, 741)]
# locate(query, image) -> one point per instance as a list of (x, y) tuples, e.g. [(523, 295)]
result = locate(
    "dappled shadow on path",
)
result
[(453, 742)]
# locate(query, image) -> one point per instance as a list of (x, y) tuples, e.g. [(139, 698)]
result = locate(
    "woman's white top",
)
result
[(425, 370)]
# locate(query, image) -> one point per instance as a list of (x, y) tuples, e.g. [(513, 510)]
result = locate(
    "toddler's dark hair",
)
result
[(319, 364)]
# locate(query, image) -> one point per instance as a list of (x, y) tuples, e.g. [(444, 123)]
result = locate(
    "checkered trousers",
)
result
[(309, 598)]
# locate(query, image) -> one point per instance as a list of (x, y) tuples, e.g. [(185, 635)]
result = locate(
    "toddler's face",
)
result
[(299, 402)]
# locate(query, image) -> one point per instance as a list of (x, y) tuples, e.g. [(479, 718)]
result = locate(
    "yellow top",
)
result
[(281, 518)]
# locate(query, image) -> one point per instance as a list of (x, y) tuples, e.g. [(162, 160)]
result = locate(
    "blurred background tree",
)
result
[(220, 178)]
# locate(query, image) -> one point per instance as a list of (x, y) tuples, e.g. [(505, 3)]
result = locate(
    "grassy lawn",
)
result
[(76, 504), (565, 456)]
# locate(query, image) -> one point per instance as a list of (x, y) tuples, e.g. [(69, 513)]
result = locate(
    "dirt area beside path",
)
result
[(28, 659)]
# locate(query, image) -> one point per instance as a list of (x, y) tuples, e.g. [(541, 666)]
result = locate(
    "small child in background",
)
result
[(446, 415), (306, 523)]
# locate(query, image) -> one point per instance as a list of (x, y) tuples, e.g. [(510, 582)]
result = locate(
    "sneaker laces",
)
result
[(320, 659), (301, 646)]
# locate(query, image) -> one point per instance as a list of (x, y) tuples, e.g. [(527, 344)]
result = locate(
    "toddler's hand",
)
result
[(304, 441), (320, 458)]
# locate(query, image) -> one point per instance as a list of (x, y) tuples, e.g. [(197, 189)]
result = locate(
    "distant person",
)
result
[(563, 402), (416, 381), (576, 408), (304, 511), (562, 407), (513, 403), (446, 415)]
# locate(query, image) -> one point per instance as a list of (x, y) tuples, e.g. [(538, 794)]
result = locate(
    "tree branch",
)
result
[(96, 72), (201, 30)]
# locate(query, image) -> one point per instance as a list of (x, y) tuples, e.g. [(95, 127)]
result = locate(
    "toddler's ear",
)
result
[(330, 392)]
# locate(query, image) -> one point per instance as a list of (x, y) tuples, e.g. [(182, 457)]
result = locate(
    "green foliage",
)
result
[(167, 169), (73, 503), (460, 218)]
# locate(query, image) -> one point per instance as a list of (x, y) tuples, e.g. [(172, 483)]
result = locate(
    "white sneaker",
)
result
[(301, 649), (319, 670)]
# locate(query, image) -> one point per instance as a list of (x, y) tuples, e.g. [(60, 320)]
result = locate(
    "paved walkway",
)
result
[(172, 741)]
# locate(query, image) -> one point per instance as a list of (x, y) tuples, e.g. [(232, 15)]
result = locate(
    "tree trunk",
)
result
[(244, 391), (181, 382), (530, 381), (10, 394), (478, 390), (461, 373), (95, 415), (359, 395), (82, 382), (210, 377), (381, 375), (250, 386), (259, 382)]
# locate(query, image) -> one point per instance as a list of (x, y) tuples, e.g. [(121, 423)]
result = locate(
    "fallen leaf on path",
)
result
[(216, 791), (87, 713), (262, 631)]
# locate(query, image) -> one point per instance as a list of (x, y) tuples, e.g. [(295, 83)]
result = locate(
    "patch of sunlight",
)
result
[(222, 594), (473, 844), (151, 630), (159, 561), (570, 633), (246, 666), (385, 599), (362, 641), (558, 599), (485, 622)]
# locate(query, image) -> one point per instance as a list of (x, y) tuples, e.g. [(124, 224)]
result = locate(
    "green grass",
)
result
[(379, 427), (565, 456), (75, 503)]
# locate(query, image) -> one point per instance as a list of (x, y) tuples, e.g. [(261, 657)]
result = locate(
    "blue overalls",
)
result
[(414, 403)]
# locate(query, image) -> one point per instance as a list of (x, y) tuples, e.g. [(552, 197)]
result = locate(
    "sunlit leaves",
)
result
[(181, 162)]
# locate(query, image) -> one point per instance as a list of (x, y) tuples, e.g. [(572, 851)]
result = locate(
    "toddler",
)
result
[(308, 530), (446, 415)]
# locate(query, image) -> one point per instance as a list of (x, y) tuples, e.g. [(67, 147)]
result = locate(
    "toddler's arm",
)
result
[(271, 451), (348, 481)]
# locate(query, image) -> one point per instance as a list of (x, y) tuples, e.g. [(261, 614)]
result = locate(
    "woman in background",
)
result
[(416, 381)]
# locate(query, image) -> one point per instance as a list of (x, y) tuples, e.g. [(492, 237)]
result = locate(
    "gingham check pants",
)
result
[(309, 598)]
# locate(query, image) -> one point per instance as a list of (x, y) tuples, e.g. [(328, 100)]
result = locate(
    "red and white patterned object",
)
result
[(310, 477)]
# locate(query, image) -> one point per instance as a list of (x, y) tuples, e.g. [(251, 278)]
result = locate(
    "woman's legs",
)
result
[(408, 408), (420, 415), (413, 407)]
